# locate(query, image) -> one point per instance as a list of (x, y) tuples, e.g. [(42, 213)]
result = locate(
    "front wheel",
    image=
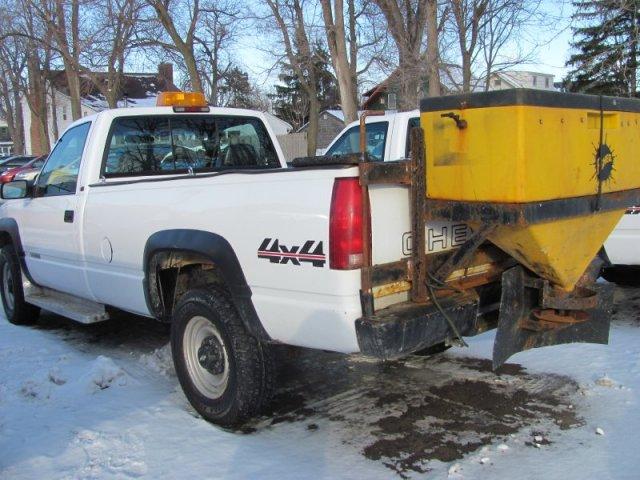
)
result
[(226, 374), (16, 309)]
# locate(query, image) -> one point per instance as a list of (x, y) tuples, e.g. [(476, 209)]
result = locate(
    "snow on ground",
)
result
[(102, 401)]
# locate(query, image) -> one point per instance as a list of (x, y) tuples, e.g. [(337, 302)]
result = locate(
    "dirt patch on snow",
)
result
[(410, 412)]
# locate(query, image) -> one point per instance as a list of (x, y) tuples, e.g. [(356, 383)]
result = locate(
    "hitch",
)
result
[(533, 315)]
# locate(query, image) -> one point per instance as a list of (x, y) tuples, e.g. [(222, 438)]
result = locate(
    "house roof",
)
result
[(279, 126), (515, 78), (137, 89), (334, 112)]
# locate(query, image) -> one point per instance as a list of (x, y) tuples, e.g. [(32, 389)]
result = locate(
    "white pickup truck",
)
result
[(190, 215)]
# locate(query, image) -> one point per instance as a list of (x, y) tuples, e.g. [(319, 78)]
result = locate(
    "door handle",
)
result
[(68, 216)]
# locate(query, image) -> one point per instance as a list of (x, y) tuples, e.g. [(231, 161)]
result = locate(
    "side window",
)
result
[(413, 123), (349, 142), (59, 175), (163, 145)]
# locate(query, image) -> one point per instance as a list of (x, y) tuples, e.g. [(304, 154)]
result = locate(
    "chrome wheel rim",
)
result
[(7, 286), (206, 357)]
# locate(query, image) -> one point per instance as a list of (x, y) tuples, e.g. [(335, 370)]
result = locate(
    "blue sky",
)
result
[(553, 55)]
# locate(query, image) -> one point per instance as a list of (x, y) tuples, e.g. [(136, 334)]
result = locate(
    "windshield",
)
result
[(349, 142)]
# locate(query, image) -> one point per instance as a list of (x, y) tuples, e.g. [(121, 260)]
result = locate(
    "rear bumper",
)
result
[(407, 327)]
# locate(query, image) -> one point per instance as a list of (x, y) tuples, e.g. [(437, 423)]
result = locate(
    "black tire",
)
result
[(622, 275), (250, 377), (16, 309)]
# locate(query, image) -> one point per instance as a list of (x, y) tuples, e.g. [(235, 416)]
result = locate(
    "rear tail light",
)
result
[(345, 225)]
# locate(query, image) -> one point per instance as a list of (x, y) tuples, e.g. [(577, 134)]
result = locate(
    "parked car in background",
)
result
[(28, 172), (623, 250), (15, 161)]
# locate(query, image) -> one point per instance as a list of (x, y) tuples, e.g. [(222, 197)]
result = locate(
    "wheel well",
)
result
[(173, 273)]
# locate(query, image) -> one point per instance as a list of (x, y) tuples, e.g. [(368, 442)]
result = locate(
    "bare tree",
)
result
[(407, 21), (171, 14), (113, 33), (485, 30), (13, 63), (61, 18), (30, 37), (505, 21), (469, 19), (343, 58), (432, 56), (215, 38), (290, 21)]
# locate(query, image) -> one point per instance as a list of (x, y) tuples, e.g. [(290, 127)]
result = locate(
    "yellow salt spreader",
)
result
[(541, 178)]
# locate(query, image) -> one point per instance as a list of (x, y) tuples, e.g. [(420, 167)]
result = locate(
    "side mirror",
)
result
[(13, 190)]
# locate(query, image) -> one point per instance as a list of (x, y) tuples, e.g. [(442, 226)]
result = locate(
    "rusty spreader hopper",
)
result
[(541, 178)]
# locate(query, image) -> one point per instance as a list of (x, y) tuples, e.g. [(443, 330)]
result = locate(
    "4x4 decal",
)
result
[(276, 252)]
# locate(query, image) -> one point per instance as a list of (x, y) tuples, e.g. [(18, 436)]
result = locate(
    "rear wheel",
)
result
[(226, 374), (16, 309)]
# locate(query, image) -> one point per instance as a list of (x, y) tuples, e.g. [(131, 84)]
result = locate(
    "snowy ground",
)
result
[(101, 401)]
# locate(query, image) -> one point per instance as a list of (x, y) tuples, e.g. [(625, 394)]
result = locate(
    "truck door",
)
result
[(49, 223)]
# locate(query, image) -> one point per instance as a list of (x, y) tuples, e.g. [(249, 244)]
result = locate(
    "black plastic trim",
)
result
[(217, 174), (221, 253), (529, 97), (10, 226), (530, 212)]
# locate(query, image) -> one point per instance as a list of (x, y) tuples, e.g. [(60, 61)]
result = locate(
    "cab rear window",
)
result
[(153, 145)]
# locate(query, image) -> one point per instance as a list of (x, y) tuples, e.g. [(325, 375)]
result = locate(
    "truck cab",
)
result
[(388, 137)]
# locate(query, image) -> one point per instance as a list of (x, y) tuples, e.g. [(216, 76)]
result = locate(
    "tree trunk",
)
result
[(433, 64), (192, 69), (18, 115), (312, 131), (36, 97), (54, 115), (73, 81), (409, 81), (353, 47), (336, 40), (466, 71), (633, 54)]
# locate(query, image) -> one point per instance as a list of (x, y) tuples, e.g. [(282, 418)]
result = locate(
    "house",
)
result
[(330, 123), (6, 143), (520, 79), (138, 90), (384, 96)]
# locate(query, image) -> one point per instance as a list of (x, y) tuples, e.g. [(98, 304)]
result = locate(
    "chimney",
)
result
[(165, 72)]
